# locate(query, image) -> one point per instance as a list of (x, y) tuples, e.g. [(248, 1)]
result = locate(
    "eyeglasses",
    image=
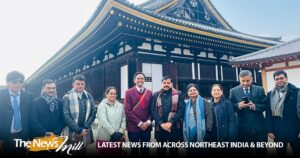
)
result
[(17, 81), (279, 78), (51, 88)]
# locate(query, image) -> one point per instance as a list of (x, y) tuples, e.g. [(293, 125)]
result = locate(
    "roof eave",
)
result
[(263, 61)]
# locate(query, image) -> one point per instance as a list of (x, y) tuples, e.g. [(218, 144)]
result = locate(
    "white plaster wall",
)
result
[(124, 80)]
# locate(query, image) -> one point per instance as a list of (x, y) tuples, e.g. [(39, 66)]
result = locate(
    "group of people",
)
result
[(249, 115)]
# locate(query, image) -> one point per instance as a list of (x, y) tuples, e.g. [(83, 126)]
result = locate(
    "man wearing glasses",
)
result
[(249, 102), (281, 114), (15, 105)]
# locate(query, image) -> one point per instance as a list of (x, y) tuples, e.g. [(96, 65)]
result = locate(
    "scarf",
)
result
[(50, 100), (173, 111), (174, 104), (72, 96), (200, 120), (277, 101)]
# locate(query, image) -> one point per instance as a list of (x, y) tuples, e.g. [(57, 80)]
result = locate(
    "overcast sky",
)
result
[(31, 31)]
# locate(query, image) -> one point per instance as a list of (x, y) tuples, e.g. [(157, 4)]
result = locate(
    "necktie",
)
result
[(79, 95), (247, 93), (17, 117), (141, 91)]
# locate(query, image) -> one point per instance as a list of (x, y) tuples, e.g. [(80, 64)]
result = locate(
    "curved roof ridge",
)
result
[(220, 15), (154, 4), (208, 5), (198, 26), (145, 3), (276, 47), (264, 37)]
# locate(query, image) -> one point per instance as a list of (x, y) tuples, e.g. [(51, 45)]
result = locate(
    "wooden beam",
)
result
[(264, 79), (283, 68)]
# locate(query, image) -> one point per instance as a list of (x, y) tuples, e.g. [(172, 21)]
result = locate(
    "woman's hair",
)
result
[(190, 86), (214, 85), (108, 89)]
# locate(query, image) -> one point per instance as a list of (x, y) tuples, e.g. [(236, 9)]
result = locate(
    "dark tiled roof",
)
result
[(281, 50), (153, 5), (185, 23), (198, 26)]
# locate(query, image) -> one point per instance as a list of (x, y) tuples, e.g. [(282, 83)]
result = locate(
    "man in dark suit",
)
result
[(281, 114), (47, 115), (167, 110), (137, 104), (15, 108), (249, 102)]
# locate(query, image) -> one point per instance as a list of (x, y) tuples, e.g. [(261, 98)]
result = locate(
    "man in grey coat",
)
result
[(249, 102), (79, 113)]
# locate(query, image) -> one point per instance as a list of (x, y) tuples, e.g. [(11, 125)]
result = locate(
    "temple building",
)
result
[(188, 40), (285, 56)]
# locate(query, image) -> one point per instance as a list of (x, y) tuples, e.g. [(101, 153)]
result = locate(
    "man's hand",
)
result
[(144, 126), (242, 105), (165, 126), (251, 105), (271, 136), (50, 134), (84, 132), (169, 125)]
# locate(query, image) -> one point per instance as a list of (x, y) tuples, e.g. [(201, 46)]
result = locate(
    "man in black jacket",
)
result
[(46, 115), (167, 110), (249, 102), (282, 120)]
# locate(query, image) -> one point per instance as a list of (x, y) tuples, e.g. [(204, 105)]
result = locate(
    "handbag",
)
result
[(109, 150)]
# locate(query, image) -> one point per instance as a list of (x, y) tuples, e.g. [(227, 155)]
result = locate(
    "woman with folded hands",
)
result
[(111, 120)]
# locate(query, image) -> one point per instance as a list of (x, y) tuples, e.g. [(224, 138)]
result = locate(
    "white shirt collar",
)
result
[(12, 93), (138, 88), (246, 88)]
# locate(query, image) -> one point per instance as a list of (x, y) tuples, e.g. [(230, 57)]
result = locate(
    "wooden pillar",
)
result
[(174, 74), (218, 56), (131, 70), (264, 79), (97, 83), (170, 68), (195, 53), (88, 82), (133, 62)]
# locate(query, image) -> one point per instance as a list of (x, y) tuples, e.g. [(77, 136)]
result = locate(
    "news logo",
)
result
[(57, 143)]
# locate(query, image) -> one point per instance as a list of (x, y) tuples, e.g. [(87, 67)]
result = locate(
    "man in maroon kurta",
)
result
[(137, 109)]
